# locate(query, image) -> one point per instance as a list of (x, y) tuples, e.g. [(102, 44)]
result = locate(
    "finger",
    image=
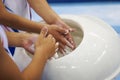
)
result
[(69, 44), (62, 47), (63, 40), (51, 37), (61, 51), (56, 46), (56, 56), (72, 29), (44, 32), (62, 30), (66, 42), (69, 28), (71, 40)]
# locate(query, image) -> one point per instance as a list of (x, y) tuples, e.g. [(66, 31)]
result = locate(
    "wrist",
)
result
[(53, 20), (39, 52), (57, 20), (24, 39)]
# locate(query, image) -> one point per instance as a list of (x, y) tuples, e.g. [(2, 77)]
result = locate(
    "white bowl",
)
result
[(97, 56)]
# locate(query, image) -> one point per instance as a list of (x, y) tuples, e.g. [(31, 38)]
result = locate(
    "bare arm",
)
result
[(42, 8), (19, 39), (25, 40), (15, 39), (45, 48), (17, 22), (35, 68), (8, 69)]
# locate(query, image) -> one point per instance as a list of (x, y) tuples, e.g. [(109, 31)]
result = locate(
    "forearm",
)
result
[(18, 22), (36, 67), (5, 73), (42, 8), (17, 39), (39, 59), (32, 72)]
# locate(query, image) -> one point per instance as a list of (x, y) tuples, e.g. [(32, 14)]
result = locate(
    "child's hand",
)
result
[(46, 44), (28, 42)]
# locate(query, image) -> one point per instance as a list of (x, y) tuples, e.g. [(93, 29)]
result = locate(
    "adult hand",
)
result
[(67, 27), (61, 35), (68, 35)]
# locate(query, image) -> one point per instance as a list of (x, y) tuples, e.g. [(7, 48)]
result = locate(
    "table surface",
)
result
[(108, 11)]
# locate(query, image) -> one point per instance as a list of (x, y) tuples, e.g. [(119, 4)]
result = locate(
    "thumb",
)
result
[(44, 32), (56, 46)]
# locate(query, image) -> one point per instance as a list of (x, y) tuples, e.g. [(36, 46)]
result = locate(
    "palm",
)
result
[(28, 43)]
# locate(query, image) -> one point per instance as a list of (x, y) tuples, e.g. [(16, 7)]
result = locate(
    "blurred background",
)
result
[(107, 10), (68, 1)]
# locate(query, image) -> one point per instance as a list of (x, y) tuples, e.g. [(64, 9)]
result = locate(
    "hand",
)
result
[(68, 36), (59, 34), (66, 27), (28, 42), (46, 43)]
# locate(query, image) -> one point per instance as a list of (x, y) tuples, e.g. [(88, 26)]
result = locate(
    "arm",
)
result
[(45, 47), (25, 40), (20, 39), (8, 69), (42, 8), (17, 22), (35, 68), (16, 39)]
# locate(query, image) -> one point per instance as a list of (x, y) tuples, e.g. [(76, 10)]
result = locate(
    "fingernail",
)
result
[(44, 28), (71, 41), (52, 58), (57, 43), (70, 29), (67, 31), (56, 50), (56, 56), (70, 45)]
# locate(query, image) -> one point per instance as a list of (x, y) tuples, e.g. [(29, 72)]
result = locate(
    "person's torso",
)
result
[(18, 7)]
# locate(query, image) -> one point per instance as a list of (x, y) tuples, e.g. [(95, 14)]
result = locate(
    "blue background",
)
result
[(69, 1)]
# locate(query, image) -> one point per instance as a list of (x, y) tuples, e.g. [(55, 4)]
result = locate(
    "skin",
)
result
[(55, 25), (25, 40), (42, 8), (34, 70)]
